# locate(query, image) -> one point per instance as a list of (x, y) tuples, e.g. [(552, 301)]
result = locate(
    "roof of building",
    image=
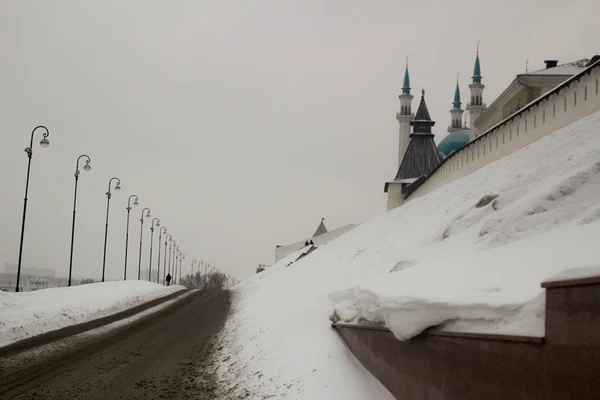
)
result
[(456, 103), (570, 68), (422, 112), (421, 157), (321, 228), (422, 122), (477, 70), (454, 141), (406, 83)]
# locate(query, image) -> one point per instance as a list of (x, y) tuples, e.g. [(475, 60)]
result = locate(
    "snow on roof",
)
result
[(570, 68), (435, 260)]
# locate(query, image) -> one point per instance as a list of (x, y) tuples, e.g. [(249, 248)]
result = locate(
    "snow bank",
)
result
[(32, 313), (437, 260)]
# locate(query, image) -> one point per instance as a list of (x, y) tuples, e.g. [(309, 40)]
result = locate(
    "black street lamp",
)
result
[(141, 235), (206, 266), (135, 203), (171, 246), (192, 280), (108, 196), (165, 264), (199, 273), (159, 246), (152, 241), (29, 150), (86, 167), (181, 258), (175, 250)]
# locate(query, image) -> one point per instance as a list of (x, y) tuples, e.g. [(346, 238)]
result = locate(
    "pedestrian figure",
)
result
[(168, 279), (306, 243)]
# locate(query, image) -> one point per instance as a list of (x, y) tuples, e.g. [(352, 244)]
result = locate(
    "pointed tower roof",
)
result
[(477, 69), (420, 159), (406, 82), (457, 102), (422, 122), (321, 229)]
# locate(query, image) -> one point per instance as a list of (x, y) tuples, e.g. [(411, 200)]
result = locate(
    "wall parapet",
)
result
[(570, 101), (471, 366)]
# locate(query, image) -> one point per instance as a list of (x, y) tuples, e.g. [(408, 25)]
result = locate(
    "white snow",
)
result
[(435, 260), (576, 273), (570, 68), (32, 313)]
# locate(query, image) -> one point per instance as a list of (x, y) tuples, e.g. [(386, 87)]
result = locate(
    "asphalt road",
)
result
[(161, 356)]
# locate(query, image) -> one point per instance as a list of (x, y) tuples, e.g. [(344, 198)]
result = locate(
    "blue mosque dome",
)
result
[(454, 141)]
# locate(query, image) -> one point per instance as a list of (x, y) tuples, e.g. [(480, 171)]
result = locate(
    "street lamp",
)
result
[(141, 235), (201, 262), (159, 246), (181, 258), (151, 241), (174, 252), (108, 195), (192, 280), (135, 203), (29, 150), (165, 265), (86, 167), (171, 246), (206, 266)]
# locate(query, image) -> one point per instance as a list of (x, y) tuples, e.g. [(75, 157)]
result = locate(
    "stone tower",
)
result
[(404, 116), (476, 106)]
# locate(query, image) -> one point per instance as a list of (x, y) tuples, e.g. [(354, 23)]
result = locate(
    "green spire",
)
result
[(406, 83), (477, 70), (457, 95)]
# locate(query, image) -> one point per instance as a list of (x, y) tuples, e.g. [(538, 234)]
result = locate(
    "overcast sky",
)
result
[(239, 123)]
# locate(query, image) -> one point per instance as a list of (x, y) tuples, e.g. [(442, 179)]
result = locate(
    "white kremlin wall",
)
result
[(567, 103), (320, 240)]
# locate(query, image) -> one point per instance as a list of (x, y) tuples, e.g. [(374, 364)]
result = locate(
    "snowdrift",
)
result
[(28, 314), (469, 256)]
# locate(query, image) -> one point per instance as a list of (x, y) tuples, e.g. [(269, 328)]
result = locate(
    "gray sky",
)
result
[(239, 123)]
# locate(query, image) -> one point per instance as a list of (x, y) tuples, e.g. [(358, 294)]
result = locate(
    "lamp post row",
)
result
[(44, 142)]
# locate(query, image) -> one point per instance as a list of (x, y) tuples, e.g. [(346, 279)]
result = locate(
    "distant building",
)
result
[(319, 238)]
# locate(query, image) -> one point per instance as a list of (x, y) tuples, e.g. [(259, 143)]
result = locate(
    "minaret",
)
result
[(404, 116), (476, 106), (456, 112)]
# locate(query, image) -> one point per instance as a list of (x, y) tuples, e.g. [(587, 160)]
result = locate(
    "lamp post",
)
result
[(86, 167), (29, 150), (192, 277), (201, 262), (181, 258), (171, 246), (181, 267), (129, 207), (165, 265), (141, 235), (206, 266), (108, 195), (174, 257), (151, 241), (159, 245)]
